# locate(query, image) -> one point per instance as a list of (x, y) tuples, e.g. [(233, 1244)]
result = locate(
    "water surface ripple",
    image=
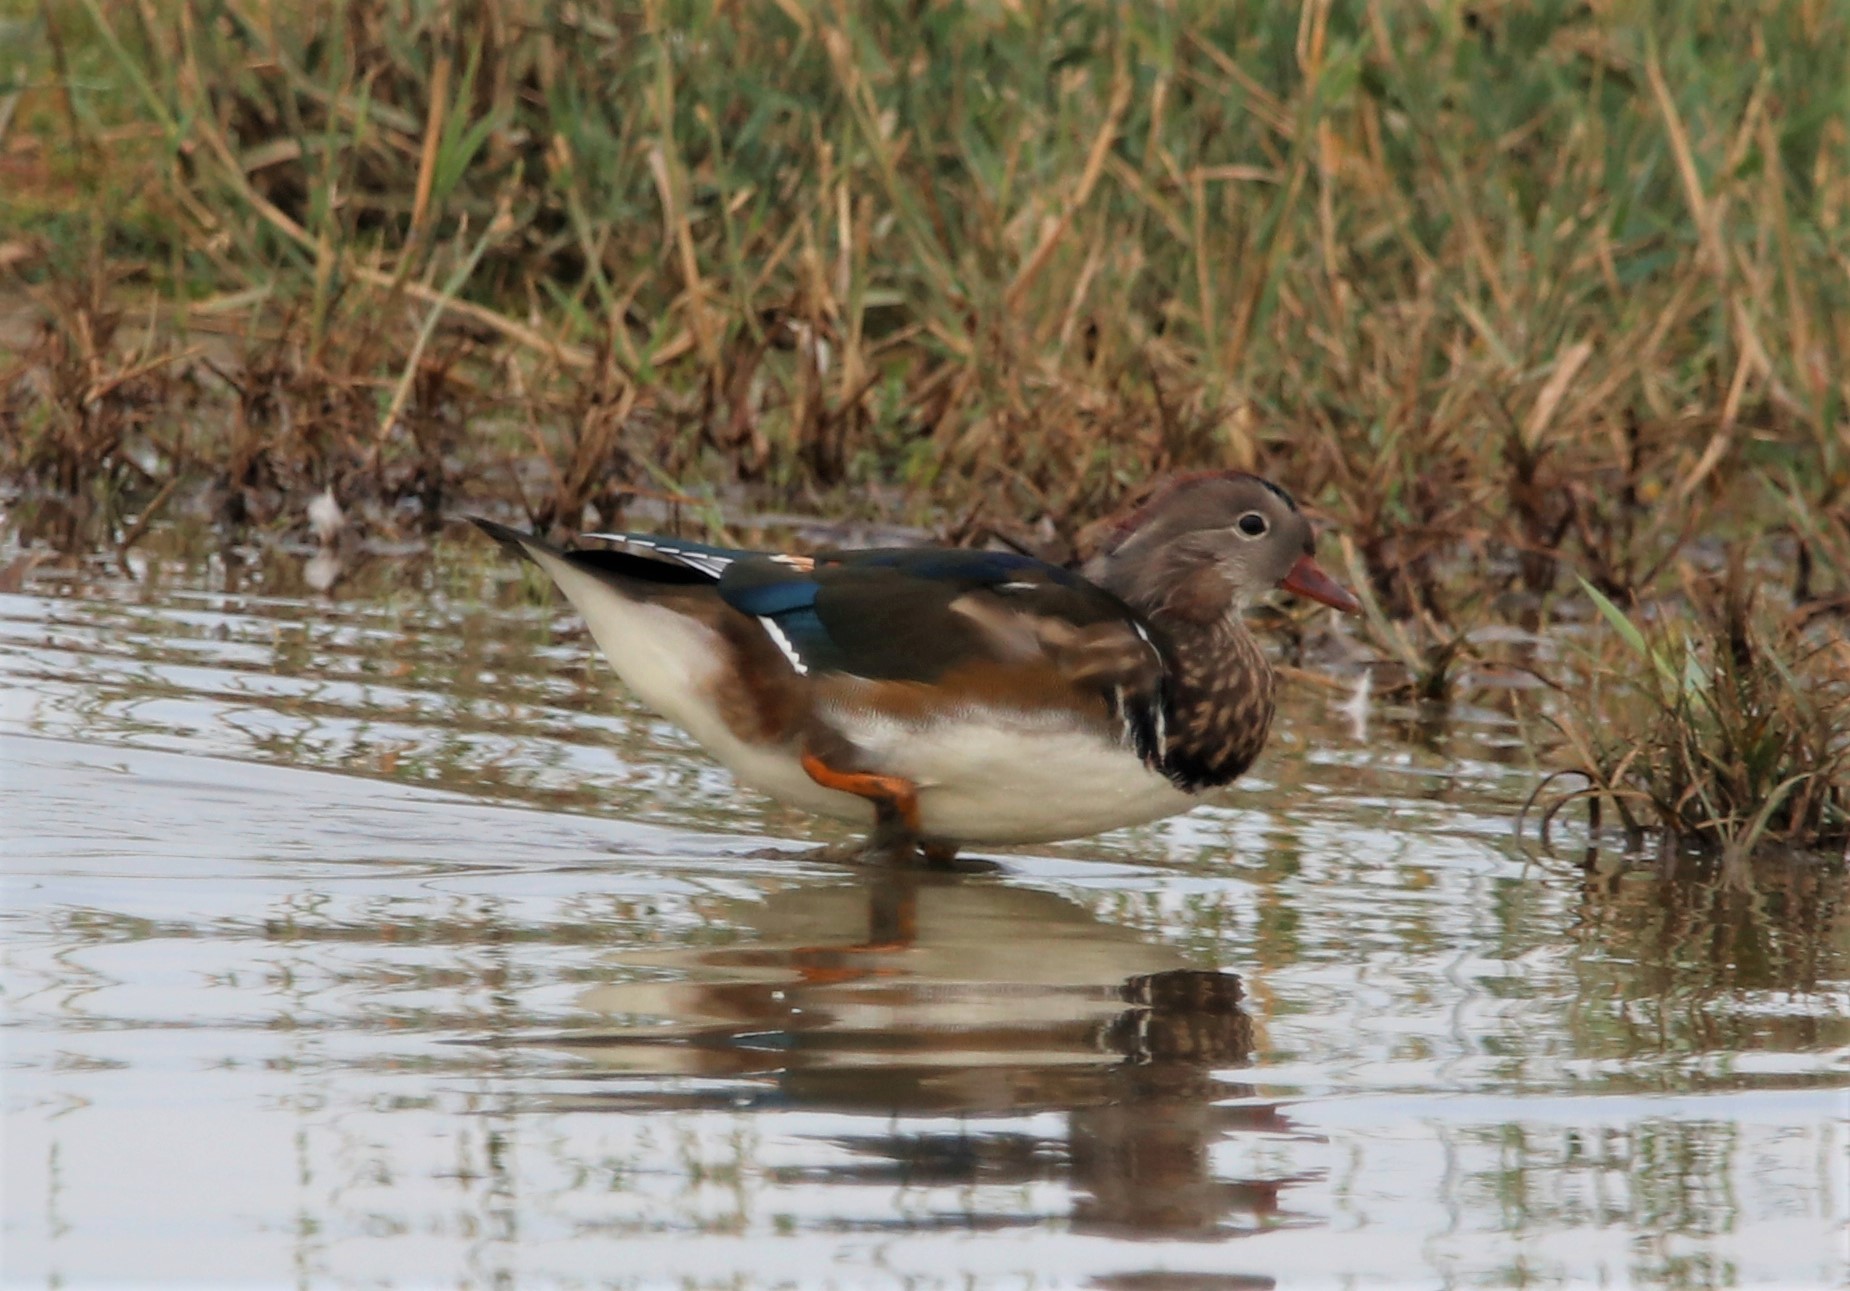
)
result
[(380, 938)]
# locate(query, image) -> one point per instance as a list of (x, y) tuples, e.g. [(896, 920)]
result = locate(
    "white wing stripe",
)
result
[(782, 640)]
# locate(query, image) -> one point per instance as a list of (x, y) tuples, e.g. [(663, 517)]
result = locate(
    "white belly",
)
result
[(978, 783), (984, 781), (1008, 777), (1042, 788)]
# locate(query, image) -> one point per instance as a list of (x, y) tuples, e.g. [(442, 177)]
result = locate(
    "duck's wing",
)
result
[(934, 614), (932, 627), (913, 614)]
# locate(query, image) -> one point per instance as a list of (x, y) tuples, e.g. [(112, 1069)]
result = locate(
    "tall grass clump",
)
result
[(1494, 283), (1731, 737)]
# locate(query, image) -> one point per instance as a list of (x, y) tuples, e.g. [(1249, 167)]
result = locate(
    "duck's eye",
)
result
[(1252, 524)]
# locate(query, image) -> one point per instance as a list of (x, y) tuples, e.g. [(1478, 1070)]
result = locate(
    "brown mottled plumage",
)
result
[(1184, 561)]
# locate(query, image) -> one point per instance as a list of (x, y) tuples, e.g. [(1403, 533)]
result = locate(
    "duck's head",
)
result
[(1207, 545)]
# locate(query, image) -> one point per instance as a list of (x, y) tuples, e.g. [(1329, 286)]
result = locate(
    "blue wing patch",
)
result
[(784, 601), (772, 598)]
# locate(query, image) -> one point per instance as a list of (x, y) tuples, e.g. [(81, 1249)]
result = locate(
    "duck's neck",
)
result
[(1217, 705), (1219, 699)]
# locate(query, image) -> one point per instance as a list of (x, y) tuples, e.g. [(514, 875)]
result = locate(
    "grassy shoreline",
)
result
[(1509, 293)]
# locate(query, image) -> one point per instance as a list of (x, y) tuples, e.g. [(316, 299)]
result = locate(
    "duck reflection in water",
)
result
[(907, 994)]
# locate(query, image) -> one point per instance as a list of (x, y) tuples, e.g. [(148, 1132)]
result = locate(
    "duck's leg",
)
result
[(939, 853), (896, 806)]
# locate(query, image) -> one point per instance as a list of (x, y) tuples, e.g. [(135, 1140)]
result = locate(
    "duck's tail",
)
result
[(654, 620)]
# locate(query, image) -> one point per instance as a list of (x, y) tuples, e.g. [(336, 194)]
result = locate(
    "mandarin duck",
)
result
[(950, 696)]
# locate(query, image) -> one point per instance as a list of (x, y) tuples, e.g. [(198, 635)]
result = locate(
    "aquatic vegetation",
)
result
[(1734, 736)]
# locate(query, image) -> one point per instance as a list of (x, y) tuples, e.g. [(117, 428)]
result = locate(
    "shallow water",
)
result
[(378, 937)]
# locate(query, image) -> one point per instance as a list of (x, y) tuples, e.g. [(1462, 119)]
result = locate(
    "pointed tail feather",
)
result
[(515, 542)]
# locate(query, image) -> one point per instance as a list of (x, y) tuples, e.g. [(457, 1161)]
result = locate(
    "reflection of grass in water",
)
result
[(1695, 966), (393, 685), (1657, 1177)]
